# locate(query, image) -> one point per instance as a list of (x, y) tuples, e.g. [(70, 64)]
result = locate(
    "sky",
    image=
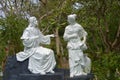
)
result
[(2, 14)]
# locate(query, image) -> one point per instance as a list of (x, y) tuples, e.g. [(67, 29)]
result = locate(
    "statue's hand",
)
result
[(81, 44), (51, 35)]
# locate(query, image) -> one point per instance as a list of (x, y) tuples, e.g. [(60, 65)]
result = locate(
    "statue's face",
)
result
[(33, 21), (71, 20)]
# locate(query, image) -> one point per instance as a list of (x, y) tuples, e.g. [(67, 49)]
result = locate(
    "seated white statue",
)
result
[(75, 35), (41, 60)]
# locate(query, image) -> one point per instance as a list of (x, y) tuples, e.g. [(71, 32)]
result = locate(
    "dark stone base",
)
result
[(15, 70), (56, 76), (82, 77)]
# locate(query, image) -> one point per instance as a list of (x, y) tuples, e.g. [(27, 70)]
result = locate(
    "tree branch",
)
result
[(117, 38)]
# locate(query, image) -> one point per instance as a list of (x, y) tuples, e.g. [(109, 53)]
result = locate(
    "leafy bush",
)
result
[(107, 67)]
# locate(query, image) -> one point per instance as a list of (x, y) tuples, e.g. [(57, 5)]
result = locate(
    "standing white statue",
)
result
[(41, 60), (75, 35)]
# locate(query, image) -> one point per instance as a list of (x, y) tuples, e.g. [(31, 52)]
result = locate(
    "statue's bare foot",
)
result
[(52, 71), (71, 75), (83, 73), (42, 73)]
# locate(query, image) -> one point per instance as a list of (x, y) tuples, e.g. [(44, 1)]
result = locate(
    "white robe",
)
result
[(40, 59), (87, 66), (73, 35)]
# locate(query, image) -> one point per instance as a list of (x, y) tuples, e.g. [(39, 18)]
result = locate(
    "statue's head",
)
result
[(71, 18), (33, 20)]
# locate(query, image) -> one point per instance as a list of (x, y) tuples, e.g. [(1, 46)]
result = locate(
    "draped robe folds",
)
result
[(40, 59), (73, 35)]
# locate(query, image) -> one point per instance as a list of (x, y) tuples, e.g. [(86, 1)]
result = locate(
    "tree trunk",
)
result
[(58, 47)]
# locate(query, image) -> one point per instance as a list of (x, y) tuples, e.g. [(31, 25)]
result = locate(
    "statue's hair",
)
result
[(72, 16)]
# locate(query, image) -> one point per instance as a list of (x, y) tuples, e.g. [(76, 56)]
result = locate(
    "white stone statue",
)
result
[(75, 35), (41, 59), (87, 65)]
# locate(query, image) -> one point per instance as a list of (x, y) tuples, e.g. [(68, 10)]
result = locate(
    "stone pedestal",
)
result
[(56, 76), (15, 70), (82, 77)]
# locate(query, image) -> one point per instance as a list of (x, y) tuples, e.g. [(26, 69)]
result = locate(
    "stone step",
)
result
[(82, 77), (55, 76)]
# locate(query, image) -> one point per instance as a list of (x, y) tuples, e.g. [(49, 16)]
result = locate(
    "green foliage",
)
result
[(10, 36), (106, 66)]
